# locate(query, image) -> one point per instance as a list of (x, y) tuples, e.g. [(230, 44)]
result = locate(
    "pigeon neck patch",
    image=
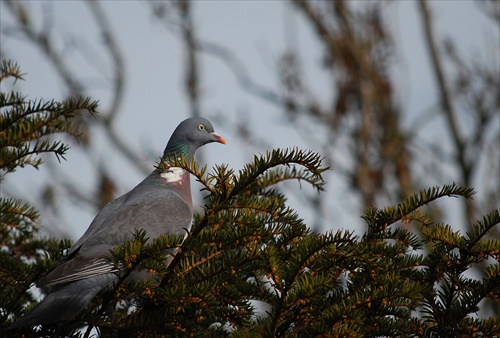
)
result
[(176, 149), (173, 174)]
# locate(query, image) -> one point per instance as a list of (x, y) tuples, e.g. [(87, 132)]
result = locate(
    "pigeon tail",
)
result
[(65, 303)]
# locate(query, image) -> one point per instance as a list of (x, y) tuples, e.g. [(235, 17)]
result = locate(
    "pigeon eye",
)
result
[(201, 127)]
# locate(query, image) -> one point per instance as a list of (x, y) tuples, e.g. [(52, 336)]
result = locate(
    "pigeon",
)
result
[(161, 204)]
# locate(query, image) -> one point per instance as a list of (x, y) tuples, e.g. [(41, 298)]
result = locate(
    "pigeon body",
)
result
[(160, 204)]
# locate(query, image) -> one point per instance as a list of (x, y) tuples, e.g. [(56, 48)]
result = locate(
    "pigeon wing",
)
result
[(158, 211)]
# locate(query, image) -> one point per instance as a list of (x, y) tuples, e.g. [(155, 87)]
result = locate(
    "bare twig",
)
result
[(239, 70), (43, 40), (116, 55), (446, 101), (192, 85)]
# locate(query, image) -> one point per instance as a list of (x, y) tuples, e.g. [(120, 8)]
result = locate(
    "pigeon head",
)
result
[(191, 134)]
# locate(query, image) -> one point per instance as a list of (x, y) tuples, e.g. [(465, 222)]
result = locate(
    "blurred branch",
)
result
[(43, 40), (127, 151), (239, 70), (446, 101), (357, 48), (477, 86), (119, 80), (192, 85), (491, 8), (116, 55)]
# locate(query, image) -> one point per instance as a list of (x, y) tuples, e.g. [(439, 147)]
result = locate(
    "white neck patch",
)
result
[(173, 174)]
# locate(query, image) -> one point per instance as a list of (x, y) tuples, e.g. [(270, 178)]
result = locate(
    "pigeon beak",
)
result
[(218, 138)]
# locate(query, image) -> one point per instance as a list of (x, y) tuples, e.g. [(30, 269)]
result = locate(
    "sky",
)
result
[(155, 102)]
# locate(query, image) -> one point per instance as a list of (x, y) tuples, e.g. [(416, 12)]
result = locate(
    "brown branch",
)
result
[(191, 80), (446, 100), (119, 80), (240, 72), (116, 55), (43, 41), (126, 151)]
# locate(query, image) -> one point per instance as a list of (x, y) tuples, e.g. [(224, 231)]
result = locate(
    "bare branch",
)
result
[(446, 100), (192, 85), (116, 55)]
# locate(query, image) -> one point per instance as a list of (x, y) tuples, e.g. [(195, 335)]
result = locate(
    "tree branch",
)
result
[(445, 100), (116, 55)]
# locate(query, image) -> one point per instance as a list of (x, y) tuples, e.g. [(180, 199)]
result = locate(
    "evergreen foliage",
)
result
[(25, 124), (25, 130), (251, 267)]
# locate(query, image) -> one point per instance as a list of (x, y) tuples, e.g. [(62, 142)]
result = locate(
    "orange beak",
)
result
[(219, 138)]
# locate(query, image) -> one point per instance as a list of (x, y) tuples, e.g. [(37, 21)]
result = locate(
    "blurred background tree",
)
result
[(349, 103)]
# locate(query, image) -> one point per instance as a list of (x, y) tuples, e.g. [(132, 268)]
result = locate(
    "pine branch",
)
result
[(10, 69), (379, 220), (310, 160), (452, 254), (14, 212), (479, 230), (226, 187), (25, 126)]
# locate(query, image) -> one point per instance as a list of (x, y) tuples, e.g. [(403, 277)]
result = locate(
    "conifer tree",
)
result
[(249, 253), (26, 130)]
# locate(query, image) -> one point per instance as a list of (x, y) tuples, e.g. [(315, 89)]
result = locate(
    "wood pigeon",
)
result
[(160, 204)]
